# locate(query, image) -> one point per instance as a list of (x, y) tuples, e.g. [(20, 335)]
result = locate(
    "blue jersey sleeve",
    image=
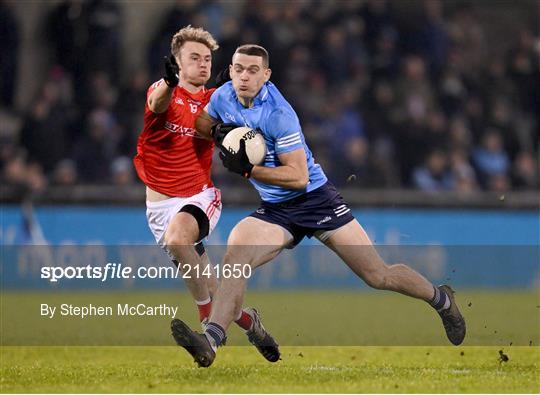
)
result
[(284, 127), (213, 106)]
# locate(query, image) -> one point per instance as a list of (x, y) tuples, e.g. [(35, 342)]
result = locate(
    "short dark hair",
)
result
[(254, 50)]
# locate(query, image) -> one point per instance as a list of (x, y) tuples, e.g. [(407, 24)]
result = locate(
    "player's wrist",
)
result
[(253, 171), (170, 84), (248, 170)]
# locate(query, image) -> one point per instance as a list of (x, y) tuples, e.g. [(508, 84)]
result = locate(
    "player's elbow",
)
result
[(203, 127), (156, 107)]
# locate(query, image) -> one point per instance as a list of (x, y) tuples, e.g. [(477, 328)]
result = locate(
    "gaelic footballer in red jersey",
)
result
[(183, 206), (171, 158)]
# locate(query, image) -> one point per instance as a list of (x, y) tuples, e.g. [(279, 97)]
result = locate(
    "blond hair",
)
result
[(190, 33)]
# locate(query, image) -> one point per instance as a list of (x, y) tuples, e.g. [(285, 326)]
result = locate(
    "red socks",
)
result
[(205, 308), (244, 321)]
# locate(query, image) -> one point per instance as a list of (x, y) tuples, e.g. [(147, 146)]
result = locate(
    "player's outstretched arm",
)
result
[(160, 98)]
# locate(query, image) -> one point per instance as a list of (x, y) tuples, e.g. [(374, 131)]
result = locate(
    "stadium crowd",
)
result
[(422, 100)]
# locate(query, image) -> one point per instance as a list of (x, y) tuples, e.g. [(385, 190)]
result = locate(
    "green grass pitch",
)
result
[(331, 342)]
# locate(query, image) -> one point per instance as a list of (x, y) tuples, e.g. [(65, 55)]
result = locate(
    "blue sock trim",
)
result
[(216, 331), (439, 299)]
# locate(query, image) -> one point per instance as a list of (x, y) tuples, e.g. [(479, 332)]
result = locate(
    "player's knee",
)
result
[(178, 239), (235, 238), (239, 254)]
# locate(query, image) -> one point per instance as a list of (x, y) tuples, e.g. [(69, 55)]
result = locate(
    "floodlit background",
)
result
[(427, 95)]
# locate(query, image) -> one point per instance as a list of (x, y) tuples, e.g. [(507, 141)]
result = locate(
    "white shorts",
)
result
[(159, 214)]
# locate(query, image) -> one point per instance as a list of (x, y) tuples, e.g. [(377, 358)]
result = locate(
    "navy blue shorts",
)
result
[(322, 209)]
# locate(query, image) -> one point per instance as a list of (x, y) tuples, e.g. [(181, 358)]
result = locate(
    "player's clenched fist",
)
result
[(171, 71), (237, 162)]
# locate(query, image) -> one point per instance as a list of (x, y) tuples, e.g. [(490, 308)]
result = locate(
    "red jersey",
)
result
[(171, 158)]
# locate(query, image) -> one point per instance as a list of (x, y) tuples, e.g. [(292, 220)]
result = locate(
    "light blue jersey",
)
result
[(279, 125)]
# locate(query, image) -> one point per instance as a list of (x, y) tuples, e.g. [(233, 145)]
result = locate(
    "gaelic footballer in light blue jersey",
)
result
[(278, 123), (297, 201)]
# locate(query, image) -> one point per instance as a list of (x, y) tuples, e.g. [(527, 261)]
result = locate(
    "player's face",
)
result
[(248, 75), (195, 61)]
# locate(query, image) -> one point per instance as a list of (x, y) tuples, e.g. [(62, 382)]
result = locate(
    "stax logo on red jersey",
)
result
[(181, 130)]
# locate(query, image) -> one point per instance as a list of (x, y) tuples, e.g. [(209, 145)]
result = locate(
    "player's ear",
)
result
[(267, 74)]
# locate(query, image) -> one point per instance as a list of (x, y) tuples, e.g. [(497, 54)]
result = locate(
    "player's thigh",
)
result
[(352, 244), (183, 229), (256, 242)]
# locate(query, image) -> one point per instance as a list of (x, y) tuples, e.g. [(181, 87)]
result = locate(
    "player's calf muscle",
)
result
[(229, 300), (377, 279)]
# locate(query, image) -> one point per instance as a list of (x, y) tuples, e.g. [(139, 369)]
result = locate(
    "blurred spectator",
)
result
[(122, 171), (345, 135), (228, 42), (474, 112), (436, 132), (45, 130), (502, 118), (433, 40), (17, 171), (377, 17), (499, 183), (414, 113), (463, 174), (382, 171), (468, 37), (333, 58), (525, 69), (433, 176), (460, 135), (525, 171), (130, 112), (414, 91), (452, 91), (490, 158), (496, 81), (385, 60), (9, 54), (104, 36), (67, 31), (95, 151), (65, 173), (181, 14), (100, 92)]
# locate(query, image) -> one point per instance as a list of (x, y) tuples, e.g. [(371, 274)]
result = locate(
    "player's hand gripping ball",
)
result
[(254, 141)]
